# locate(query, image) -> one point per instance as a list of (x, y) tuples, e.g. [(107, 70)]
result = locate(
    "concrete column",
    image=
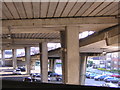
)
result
[(52, 65), (44, 61), (83, 64), (3, 57), (14, 53), (33, 64), (27, 59), (70, 55)]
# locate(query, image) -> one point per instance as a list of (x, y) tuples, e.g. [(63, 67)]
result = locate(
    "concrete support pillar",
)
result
[(70, 55), (33, 64), (3, 57), (52, 65), (83, 64), (14, 53), (27, 59), (44, 61)]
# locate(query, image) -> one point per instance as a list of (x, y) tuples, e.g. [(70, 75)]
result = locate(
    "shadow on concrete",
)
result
[(20, 84)]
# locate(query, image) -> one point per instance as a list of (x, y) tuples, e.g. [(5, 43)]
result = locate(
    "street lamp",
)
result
[(103, 55)]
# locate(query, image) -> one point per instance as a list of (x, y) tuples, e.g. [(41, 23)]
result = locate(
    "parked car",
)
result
[(17, 72), (21, 68), (91, 75), (111, 79), (31, 79), (108, 73), (53, 75), (87, 74), (27, 79), (100, 77), (109, 85), (119, 83), (49, 72), (115, 80), (59, 78), (35, 74)]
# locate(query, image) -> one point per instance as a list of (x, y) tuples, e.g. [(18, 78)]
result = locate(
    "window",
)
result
[(115, 62)]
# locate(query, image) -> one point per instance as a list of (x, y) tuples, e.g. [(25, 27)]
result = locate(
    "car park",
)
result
[(99, 78)]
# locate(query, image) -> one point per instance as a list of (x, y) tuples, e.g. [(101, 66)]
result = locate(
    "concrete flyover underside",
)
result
[(27, 24)]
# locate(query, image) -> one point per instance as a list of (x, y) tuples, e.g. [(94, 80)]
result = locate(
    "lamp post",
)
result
[(103, 55)]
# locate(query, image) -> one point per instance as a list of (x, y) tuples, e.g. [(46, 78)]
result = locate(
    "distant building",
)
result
[(109, 61), (98, 62)]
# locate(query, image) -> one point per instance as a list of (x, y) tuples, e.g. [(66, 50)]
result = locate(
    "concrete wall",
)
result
[(8, 63), (19, 63)]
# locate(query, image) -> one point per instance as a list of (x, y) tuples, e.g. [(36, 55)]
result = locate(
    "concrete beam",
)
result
[(114, 40), (21, 43), (28, 41), (60, 21), (54, 52), (31, 29), (5, 47), (107, 35)]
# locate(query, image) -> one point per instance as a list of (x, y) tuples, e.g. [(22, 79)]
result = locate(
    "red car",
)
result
[(116, 75)]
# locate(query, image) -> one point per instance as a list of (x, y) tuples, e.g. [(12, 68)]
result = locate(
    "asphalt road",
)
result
[(92, 82), (88, 82)]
